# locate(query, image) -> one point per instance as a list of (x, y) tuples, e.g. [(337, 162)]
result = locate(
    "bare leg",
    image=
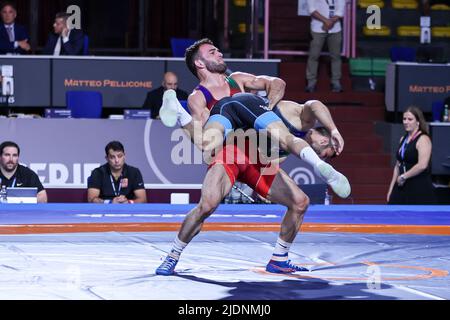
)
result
[(213, 138), (286, 192), (288, 142), (215, 187), (301, 149)]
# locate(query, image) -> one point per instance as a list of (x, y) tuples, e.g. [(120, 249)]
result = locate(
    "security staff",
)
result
[(14, 175), (116, 182)]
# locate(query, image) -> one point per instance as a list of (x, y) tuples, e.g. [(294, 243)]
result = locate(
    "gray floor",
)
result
[(223, 265)]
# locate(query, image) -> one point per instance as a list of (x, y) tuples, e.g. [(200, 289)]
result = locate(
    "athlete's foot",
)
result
[(285, 267), (169, 109), (336, 180), (167, 268)]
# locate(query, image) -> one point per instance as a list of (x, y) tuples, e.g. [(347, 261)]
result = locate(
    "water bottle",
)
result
[(327, 198), (3, 195), (445, 116)]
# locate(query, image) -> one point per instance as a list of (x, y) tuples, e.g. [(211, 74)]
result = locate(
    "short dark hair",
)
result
[(192, 54), (6, 4), (114, 146), (8, 144), (64, 15), (326, 133)]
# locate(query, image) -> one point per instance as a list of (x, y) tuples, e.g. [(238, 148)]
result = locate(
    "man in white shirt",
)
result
[(64, 40), (326, 25)]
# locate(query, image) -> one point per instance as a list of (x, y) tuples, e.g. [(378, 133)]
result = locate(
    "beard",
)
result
[(317, 148), (214, 67), (313, 144), (9, 167)]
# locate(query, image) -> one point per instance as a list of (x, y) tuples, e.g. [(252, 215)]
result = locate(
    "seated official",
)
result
[(116, 182), (155, 97), (13, 37), (64, 41), (14, 175)]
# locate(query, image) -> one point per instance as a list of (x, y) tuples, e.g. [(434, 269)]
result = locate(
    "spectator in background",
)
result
[(155, 97), (64, 41), (326, 26), (13, 37), (116, 182), (14, 175), (411, 181)]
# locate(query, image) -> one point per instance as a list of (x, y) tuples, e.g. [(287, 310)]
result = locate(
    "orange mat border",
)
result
[(162, 227)]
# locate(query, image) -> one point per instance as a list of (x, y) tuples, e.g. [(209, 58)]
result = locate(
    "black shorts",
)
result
[(243, 111)]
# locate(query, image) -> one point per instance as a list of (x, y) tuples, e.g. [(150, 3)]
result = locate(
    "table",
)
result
[(416, 84), (42, 81)]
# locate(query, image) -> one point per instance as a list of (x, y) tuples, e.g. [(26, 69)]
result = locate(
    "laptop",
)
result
[(22, 195)]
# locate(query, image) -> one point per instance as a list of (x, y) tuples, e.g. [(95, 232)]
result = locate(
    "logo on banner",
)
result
[(374, 21), (302, 176), (74, 21), (174, 159)]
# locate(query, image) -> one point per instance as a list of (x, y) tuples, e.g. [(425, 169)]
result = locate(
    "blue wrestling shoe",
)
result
[(167, 268), (283, 267)]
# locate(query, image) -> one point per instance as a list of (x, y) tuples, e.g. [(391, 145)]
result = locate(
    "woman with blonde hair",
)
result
[(411, 182)]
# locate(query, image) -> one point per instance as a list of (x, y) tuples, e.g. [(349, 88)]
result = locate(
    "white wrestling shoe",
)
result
[(169, 109), (336, 180)]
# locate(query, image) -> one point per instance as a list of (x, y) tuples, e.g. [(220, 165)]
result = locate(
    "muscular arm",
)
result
[(275, 87), (93, 196), (42, 197), (141, 196), (200, 115), (315, 110)]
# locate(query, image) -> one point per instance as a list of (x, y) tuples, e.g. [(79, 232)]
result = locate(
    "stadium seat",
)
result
[(379, 66), (366, 3), (405, 4), (85, 104), (361, 67), (408, 31), (375, 67), (240, 3), (440, 32), (179, 46), (440, 7), (242, 28), (385, 31), (403, 54), (86, 45), (437, 108)]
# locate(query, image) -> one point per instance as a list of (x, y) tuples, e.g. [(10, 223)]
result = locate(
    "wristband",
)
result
[(106, 201)]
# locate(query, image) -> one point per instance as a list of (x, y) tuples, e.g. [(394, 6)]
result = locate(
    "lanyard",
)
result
[(405, 144), (116, 193), (332, 8), (13, 185)]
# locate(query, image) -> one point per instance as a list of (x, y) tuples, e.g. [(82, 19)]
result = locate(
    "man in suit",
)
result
[(13, 36), (155, 98), (64, 41)]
